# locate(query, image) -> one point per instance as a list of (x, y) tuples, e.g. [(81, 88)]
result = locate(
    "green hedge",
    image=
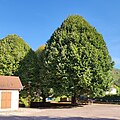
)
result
[(109, 98)]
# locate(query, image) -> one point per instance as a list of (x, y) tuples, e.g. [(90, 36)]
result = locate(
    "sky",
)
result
[(36, 20)]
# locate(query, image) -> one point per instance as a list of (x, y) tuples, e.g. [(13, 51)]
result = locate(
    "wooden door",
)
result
[(5, 100)]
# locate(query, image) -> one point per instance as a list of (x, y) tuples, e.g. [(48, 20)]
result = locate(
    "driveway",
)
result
[(87, 112)]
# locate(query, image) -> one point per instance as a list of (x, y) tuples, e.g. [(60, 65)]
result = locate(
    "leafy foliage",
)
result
[(12, 51), (116, 76), (18, 59), (77, 59), (44, 82)]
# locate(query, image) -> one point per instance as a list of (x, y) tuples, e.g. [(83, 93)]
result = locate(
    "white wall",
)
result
[(14, 99)]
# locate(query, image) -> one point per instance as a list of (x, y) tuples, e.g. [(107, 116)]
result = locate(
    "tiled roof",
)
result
[(10, 83)]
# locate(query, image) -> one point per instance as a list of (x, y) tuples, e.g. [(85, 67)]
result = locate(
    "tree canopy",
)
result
[(78, 60), (43, 82), (12, 51), (18, 59), (116, 76)]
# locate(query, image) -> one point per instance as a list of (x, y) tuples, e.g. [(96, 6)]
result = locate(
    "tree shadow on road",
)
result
[(48, 118), (48, 105)]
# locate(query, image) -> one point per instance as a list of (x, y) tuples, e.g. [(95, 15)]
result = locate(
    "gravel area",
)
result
[(86, 112)]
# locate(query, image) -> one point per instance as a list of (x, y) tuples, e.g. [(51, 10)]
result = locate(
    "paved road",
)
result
[(87, 112)]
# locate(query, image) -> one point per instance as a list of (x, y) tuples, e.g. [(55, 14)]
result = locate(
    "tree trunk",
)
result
[(44, 98), (74, 100)]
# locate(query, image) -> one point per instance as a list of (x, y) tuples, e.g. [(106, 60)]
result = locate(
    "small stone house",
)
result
[(9, 92)]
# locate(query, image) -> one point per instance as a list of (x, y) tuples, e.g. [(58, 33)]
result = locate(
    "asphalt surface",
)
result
[(86, 112)]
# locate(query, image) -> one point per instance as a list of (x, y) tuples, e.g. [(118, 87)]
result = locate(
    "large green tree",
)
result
[(44, 82), (77, 59), (18, 59)]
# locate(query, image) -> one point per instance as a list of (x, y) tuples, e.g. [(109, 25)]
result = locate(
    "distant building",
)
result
[(9, 92), (112, 91)]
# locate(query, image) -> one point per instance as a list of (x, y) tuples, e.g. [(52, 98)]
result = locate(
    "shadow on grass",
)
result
[(47, 118)]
